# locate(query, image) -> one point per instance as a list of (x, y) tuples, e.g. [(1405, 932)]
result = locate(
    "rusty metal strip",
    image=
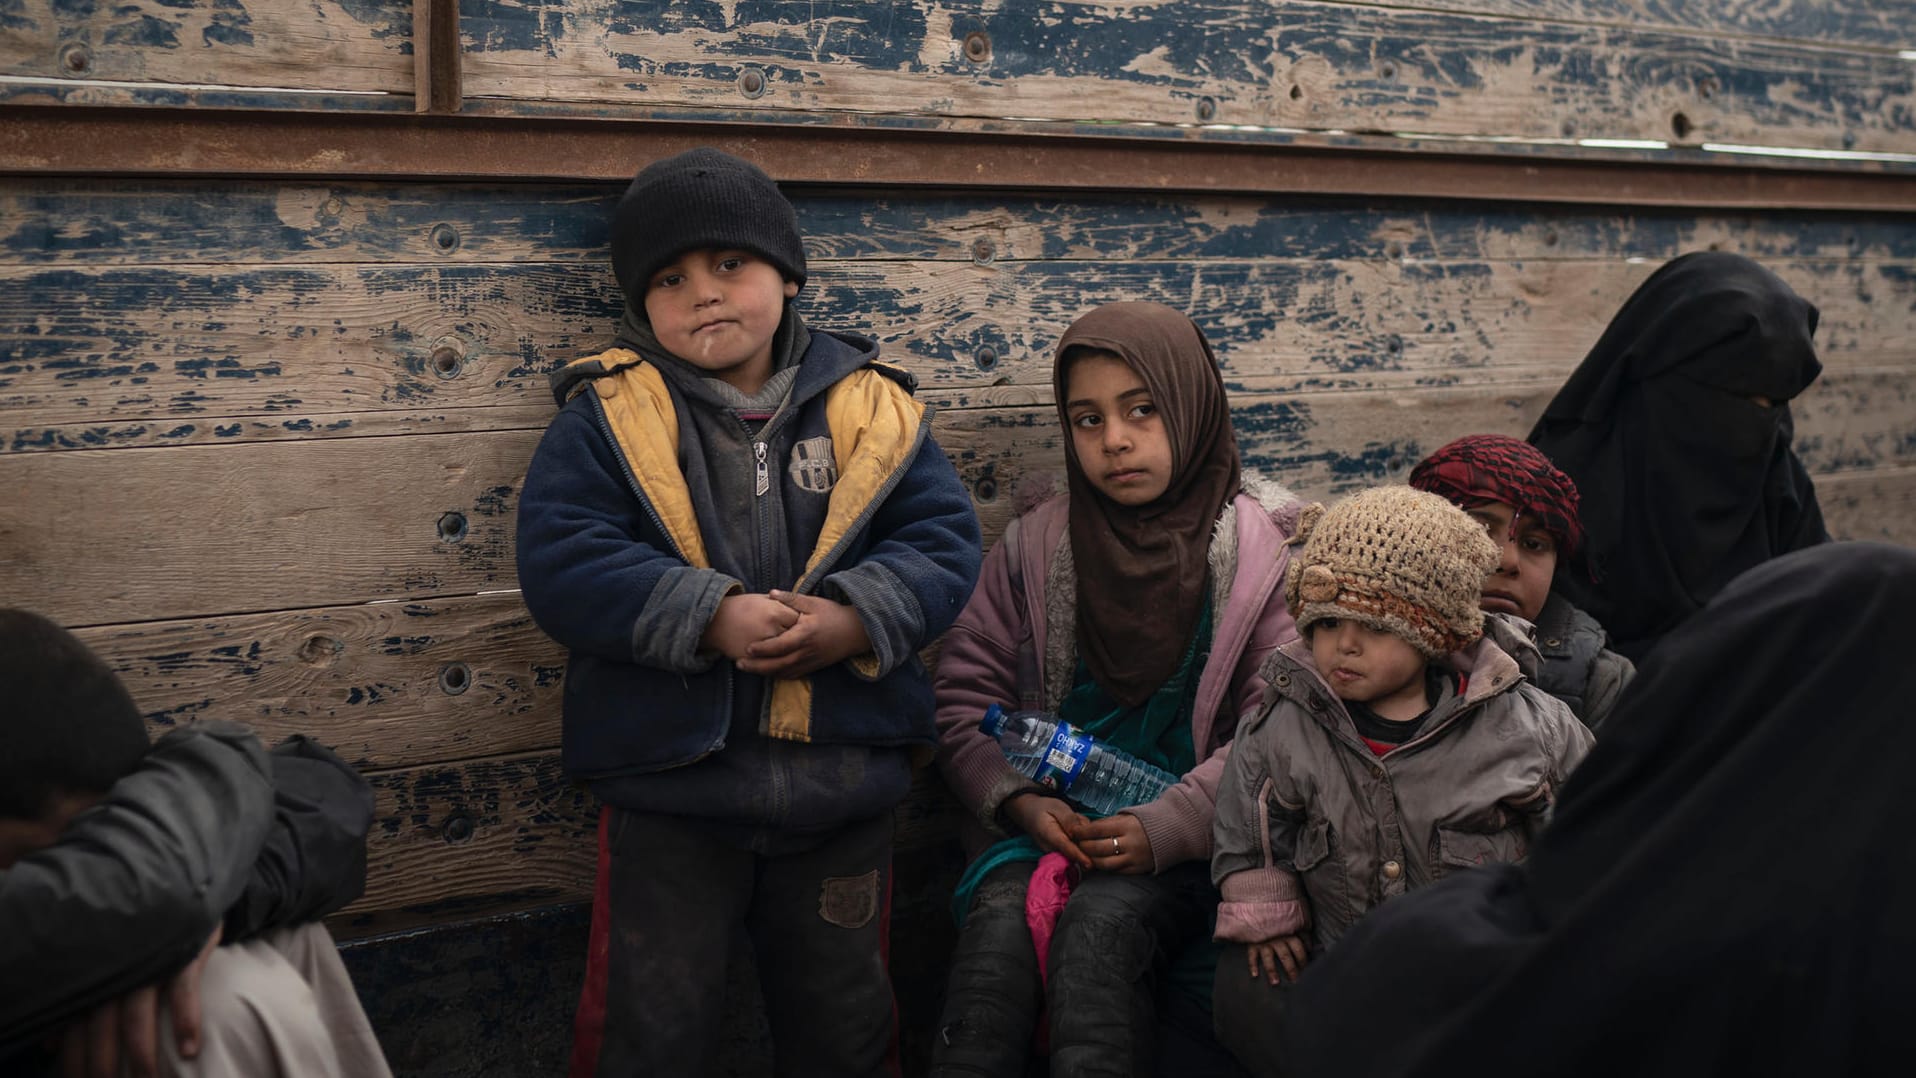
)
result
[(436, 51), (170, 143)]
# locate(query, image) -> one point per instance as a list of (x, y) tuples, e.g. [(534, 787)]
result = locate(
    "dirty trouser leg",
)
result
[(1249, 1013), (1116, 936), (677, 897), (280, 1005), (818, 922), (993, 996)]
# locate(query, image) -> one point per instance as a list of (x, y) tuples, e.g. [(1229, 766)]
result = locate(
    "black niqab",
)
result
[(1677, 431), (1725, 890)]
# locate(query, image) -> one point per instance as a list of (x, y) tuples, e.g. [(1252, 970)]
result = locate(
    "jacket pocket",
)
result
[(1326, 883), (1501, 833)]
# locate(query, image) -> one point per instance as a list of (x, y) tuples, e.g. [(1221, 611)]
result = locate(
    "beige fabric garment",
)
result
[(279, 1006)]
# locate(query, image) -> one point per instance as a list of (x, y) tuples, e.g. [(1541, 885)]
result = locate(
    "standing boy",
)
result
[(1530, 510), (1397, 744), (744, 532)]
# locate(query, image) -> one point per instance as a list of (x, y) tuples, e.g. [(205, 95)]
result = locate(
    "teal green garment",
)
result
[(1157, 732)]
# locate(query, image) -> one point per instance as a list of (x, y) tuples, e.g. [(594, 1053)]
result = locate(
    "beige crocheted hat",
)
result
[(1396, 559)]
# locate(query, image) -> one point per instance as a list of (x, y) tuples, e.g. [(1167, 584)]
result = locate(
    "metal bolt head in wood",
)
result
[(455, 678), (751, 82), (1206, 109), (76, 59), (445, 239), (977, 46), (452, 527), (447, 362), (458, 828)]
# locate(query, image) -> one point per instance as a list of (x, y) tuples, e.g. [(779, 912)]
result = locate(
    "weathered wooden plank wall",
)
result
[(207, 381), (1781, 76), (262, 435)]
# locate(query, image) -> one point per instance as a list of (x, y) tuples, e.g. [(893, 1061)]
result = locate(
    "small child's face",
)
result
[(1369, 666), (1119, 436), (1520, 584), (718, 310)]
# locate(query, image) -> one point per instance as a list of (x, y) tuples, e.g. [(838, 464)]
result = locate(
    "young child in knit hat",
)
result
[(1397, 743), (1530, 510), (743, 532)]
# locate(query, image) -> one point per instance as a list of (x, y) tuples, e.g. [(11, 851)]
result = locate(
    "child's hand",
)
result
[(822, 633), (744, 620), (1115, 844), (1287, 951), (1049, 822)]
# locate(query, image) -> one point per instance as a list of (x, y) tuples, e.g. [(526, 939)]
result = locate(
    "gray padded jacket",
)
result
[(1313, 828)]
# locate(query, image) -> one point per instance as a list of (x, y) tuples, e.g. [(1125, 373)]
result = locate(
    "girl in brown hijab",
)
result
[(1138, 607)]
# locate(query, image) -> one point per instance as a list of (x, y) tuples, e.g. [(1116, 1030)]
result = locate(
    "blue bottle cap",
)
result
[(993, 723)]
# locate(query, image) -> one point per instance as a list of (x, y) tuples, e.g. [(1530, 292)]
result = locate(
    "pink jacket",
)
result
[(1015, 645)]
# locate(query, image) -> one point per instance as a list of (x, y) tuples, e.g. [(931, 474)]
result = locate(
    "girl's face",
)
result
[(1119, 436)]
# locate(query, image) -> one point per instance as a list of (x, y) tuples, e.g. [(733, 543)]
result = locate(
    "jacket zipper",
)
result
[(761, 473)]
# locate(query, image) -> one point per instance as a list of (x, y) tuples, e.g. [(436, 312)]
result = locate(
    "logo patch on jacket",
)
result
[(812, 466)]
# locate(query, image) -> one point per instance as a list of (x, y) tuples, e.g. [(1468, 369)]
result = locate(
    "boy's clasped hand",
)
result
[(783, 634)]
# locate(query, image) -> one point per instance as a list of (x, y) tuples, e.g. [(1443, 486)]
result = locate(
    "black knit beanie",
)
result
[(702, 198), (69, 725)]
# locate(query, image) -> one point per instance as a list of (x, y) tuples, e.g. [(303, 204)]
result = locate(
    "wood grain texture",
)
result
[(210, 530), (1867, 24), (136, 222), (1878, 505), (453, 838), (1299, 66), (136, 356), (200, 531), (265, 46), (385, 685)]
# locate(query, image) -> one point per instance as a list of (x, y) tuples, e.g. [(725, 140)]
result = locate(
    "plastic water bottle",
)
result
[(1073, 764)]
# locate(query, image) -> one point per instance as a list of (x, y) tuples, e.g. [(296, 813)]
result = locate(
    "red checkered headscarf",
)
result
[(1481, 468)]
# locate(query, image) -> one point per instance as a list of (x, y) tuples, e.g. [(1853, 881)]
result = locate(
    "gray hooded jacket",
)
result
[(1314, 829)]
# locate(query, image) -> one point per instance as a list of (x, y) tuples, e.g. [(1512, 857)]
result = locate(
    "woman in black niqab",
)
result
[(1726, 888), (1677, 430)]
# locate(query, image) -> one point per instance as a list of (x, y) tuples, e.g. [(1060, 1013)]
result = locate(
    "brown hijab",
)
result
[(1141, 571)]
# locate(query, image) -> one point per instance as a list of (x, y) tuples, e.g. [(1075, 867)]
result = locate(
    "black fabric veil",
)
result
[(1726, 888), (1677, 430)]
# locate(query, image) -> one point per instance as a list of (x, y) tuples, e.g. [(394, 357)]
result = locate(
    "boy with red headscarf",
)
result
[(1530, 509)]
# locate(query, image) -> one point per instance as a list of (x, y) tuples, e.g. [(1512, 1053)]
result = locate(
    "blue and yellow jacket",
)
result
[(612, 562)]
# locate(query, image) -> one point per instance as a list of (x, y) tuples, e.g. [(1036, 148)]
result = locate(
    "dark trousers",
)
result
[(816, 920), (1249, 1013), (1115, 938)]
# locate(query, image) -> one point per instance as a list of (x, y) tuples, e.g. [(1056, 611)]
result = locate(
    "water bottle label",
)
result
[(1063, 759)]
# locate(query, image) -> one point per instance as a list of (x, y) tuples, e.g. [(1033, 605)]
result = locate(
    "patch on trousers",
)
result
[(849, 901), (812, 465)]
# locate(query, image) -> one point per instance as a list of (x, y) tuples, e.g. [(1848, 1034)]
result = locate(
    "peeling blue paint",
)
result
[(495, 501), (144, 32)]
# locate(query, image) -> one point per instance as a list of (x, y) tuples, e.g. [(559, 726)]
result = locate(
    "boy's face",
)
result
[(1116, 430), (718, 310), (1520, 584), (1369, 666)]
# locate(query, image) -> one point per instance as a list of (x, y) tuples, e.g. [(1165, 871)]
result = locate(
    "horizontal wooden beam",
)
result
[(154, 142)]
